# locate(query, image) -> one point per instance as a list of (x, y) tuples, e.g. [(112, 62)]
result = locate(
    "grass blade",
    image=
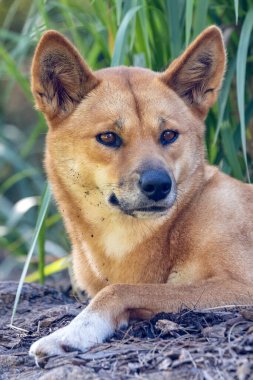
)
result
[(13, 8), (15, 73), (41, 251), (188, 21), (241, 61), (117, 58), (230, 150), (223, 98), (236, 6), (118, 5), (174, 13), (142, 34), (71, 24), (12, 180), (42, 213), (200, 16), (56, 266)]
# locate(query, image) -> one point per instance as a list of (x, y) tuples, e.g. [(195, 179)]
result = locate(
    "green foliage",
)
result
[(132, 32)]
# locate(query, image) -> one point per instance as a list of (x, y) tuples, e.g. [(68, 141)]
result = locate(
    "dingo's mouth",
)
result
[(150, 209), (153, 209)]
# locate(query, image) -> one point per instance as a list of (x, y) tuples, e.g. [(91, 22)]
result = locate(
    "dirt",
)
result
[(192, 344)]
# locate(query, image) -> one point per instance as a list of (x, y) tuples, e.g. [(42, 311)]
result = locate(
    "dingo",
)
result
[(152, 225)]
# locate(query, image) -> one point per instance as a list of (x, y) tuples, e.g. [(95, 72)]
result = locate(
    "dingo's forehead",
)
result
[(129, 96)]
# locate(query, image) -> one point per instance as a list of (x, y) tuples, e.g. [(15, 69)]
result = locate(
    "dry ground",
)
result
[(208, 345)]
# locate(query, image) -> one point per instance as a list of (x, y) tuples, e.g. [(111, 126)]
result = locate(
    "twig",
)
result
[(17, 328)]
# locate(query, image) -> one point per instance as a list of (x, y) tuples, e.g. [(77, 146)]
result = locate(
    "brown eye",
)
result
[(110, 139), (168, 137)]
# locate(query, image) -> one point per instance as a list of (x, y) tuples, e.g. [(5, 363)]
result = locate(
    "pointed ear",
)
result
[(196, 76), (60, 77)]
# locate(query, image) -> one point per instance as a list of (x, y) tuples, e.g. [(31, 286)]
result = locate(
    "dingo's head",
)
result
[(127, 140)]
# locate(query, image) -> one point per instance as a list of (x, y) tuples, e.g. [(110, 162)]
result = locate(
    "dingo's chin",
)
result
[(149, 214)]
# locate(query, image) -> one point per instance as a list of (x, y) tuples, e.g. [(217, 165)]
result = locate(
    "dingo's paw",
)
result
[(85, 331)]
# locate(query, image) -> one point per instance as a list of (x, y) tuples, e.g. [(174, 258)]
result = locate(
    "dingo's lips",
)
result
[(150, 209), (146, 210)]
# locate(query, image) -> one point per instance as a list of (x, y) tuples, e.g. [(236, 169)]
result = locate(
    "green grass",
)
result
[(133, 32)]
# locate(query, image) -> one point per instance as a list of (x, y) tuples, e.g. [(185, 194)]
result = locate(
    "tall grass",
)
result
[(134, 32)]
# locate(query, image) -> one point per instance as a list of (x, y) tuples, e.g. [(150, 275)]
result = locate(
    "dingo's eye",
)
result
[(168, 137), (110, 139)]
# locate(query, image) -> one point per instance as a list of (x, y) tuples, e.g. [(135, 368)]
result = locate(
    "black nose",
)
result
[(155, 184)]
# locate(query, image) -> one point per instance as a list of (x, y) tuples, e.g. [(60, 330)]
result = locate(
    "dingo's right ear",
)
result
[(60, 77)]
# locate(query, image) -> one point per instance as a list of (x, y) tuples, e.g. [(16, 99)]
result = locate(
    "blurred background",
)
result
[(148, 33)]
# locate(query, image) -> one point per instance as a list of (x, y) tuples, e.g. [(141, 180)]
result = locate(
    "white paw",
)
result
[(85, 331)]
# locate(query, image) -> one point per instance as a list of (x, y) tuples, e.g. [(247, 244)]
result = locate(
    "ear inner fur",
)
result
[(197, 74), (60, 77)]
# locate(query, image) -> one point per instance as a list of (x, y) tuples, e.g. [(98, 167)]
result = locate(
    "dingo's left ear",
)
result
[(197, 74)]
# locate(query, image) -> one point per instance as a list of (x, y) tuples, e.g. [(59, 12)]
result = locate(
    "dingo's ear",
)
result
[(197, 74), (60, 77)]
